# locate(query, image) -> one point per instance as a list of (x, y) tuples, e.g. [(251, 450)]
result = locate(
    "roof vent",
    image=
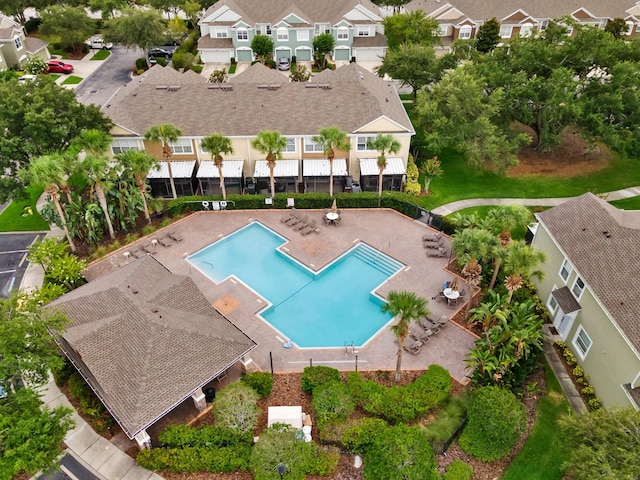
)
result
[(311, 85), (606, 233), (263, 87), (161, 87), (324, 86), (226, 88), (214, 86), (173, 88)]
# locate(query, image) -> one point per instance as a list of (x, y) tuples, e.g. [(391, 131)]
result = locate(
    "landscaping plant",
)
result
[(235, 407), (261, 382)]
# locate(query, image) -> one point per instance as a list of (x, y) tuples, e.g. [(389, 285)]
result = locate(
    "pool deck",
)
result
[(394, 234)]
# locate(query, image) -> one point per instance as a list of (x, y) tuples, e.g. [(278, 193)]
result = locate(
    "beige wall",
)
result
[(611, 361)]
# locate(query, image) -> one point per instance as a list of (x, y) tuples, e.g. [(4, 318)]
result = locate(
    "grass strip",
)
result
[(22, 216)]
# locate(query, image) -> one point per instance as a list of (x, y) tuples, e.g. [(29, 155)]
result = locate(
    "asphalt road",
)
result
[(112, 75), (71, 469), (13, 259)]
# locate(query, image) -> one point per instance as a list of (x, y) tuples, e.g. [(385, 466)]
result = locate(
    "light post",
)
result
[(282, 469)]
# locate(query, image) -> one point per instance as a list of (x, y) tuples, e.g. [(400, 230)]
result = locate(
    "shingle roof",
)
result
[(484, 10), (259, 73), (602, 243), (209, 42), (146, 339), (354, 99), (566, 300), (33, 44), (272, 11), (378, 40)]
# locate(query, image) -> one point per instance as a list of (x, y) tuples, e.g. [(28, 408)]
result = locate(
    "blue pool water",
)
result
[(325, 309)]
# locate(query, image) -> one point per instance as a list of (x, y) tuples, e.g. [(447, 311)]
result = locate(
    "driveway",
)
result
[(13, 259), (113, 73)]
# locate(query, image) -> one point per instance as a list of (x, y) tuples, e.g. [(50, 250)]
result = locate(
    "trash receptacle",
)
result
[(355, 187), (210, 394)]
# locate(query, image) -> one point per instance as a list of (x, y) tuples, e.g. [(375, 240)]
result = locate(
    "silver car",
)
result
[(283, 63)]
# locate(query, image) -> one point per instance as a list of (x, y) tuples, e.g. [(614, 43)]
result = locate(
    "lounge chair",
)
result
[(138, 252), (428, 324), (295, 219), (175, 235), (432, 236), (309, 228), (165, 241), (288, 216), (442, 322), (301, 224), (440, 252), (433, 243), (414, 347), (419, 333), (149, 247)]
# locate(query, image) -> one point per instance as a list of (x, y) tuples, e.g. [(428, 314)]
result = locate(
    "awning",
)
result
[(566, 301), (283, 168), (395, 166), (320, 167), (230, 169), (179, 170)]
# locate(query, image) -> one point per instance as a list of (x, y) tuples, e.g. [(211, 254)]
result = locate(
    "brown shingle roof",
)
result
[(146, 339), (377, 40), (602, 244), (257, 74), (292, 109), (566, 300), (209, 42), (33, 44)]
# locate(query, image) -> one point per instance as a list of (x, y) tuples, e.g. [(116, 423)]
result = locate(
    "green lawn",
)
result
[(101, 55), (543, 453), (22, 216), (632, 203), (72, 80), (54, 76)]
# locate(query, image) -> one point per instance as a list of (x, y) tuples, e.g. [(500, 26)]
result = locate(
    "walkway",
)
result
[(453, 207)]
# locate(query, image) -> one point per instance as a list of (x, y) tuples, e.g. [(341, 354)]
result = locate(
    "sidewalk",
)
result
[(81, 68)]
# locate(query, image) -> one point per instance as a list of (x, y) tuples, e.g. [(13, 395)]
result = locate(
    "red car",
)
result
[(56, 66)]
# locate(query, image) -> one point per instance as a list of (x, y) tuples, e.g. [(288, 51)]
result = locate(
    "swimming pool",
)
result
[(324, 309)]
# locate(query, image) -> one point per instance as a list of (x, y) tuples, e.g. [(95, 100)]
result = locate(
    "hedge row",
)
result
[(401, 202), (402, 404), (194, 459), (183, 436)]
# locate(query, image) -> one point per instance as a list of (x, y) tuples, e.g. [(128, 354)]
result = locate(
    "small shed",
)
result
[(392, 177), (209, 177), (183, 179)]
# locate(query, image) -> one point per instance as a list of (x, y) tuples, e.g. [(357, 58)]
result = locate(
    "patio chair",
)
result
[(149, 247), (428, 324), (432, 236), (301, 224), (165, 241), (288, 216), (453, 302), (441, 296), (175, 235), (337, 221), (295, 218), (138, 252), (309, 228), (414, 347), (440, 252), (421, 334), (433, 245), (442, 322)]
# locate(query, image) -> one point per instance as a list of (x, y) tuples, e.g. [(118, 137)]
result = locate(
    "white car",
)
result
[(98, 44)]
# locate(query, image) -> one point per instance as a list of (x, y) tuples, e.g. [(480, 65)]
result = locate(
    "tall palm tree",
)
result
[(270, 143), (165, 133), (520, 262), (138, 164), (406, 306), (97, 170), (332, 139), (217, 145), (47, 171), (93, 141), (384, 144)]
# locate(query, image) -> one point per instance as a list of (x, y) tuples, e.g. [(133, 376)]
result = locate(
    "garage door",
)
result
[(244, 56), (216, 56), (341, 54), (368, 54), (283, 53), (303, 55)]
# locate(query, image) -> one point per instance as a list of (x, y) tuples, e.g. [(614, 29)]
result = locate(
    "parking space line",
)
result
[(24, 257), (7, 271), (14, 251)]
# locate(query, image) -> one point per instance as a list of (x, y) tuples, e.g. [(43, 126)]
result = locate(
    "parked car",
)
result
[(283, 63), (56, 66), (27, 77), (160, 52), (99, 43)]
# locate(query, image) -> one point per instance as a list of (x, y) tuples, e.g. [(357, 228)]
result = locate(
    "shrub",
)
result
[(313, 377), (218, 76), (578, 371), (458, 470), (322, 460), (197, 68), (496, 422), (358, 437), (594, 404), (401, 453), (588, 390), (448, 420), (235, 407), (182, 436), (270, 63), (32, 24), (141, 64), (261, 382), (233, 60), (193, 459), (331, 402)]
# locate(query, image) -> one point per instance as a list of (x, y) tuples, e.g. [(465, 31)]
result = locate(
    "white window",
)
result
[(311, 146), (343, 33), (220, 32), (525, 30), (582, 342), (565, 270), (183, 145), (119, 145), (569, 29), (362, 143), (303, 35), (263, 29), (578, 288), (505, 31), (630, 26), (320, 28), (291, 145), (283, 34), (364, 31), (552, 303), (544, 25), (465, 32), (18, 43), (442, 30), (242, 34)]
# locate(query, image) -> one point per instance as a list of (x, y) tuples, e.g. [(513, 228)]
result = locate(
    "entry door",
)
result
[(562, 322)]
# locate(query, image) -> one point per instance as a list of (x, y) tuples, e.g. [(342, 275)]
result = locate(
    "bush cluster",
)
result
[(90, 404), (313, 377), (332, 403), (458, 470), (582, 380), (261, 382), (194, 459), (497, 420), (182, 436), (401, 404), (358, 437), (236, 407)]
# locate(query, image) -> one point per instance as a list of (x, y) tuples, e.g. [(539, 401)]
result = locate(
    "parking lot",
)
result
[(13, 259)]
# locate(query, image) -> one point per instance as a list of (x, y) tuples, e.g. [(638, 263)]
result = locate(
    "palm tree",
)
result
[(332, 139), (407, 306), (97, 170), (270, 143), (47, 171), (217, 144), (384, 144), (138, 164), (165, 133), (475, 243), (93, 141), (521, 261)]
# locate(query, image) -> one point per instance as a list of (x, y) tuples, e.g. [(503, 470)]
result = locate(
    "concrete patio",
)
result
[(394, 234)]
